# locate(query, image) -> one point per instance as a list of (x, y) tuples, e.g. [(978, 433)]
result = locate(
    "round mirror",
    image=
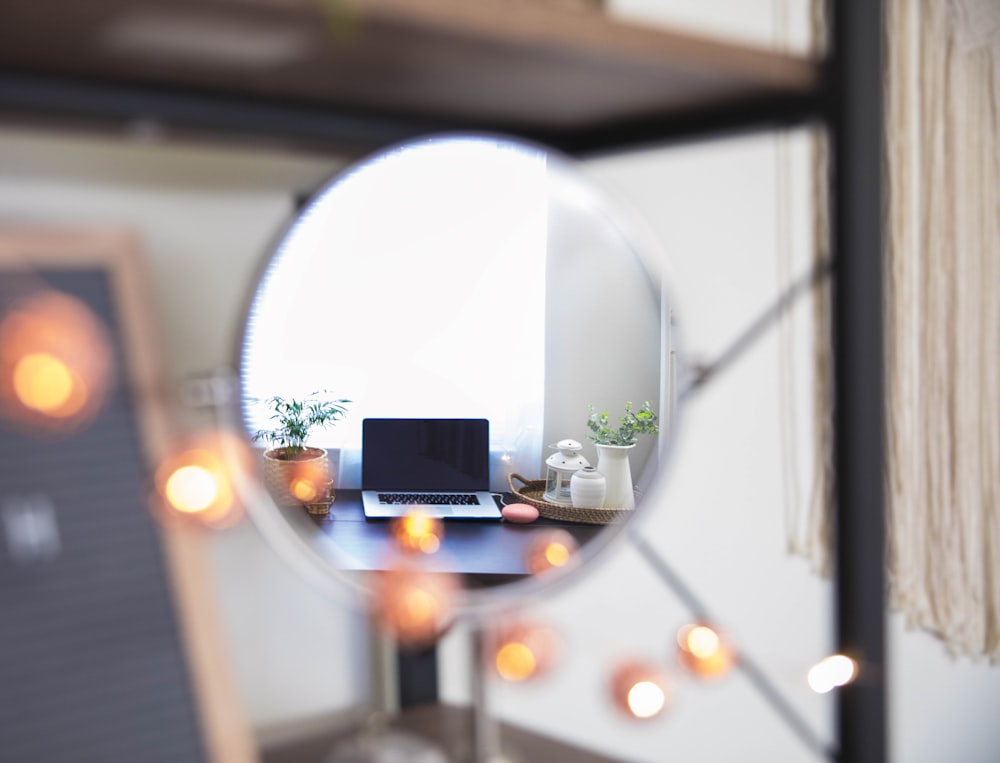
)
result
[(457, 313)]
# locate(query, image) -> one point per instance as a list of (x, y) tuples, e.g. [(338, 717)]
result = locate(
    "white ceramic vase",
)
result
[(587, 488), (613, 463)]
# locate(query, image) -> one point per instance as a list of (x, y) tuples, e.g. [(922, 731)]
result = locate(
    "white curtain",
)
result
[(399, 288)]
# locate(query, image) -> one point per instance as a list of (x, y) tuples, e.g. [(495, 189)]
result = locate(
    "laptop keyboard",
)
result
[(430, 499)]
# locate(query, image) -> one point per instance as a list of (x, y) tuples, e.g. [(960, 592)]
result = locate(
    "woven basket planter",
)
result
[(302, 481), (531, 492)]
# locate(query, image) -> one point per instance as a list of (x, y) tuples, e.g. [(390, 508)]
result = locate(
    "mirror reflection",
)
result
[(462, 312)]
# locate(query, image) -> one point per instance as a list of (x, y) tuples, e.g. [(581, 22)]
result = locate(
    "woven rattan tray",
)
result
[(531, 491)]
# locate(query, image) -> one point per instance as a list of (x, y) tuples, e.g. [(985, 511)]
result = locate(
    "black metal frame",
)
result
[(855, 120), (849, 104)]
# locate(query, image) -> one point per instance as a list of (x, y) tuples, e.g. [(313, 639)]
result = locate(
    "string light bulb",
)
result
[(308, 481), (639, 689), (192, 488), (523, 652), (44, 383), (418, 532), (550, 549), (703, 651), (56, 363), (414, 605), (196, 481), (832, 672)]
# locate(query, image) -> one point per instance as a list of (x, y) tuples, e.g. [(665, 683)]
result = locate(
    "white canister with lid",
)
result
[(587, 488)]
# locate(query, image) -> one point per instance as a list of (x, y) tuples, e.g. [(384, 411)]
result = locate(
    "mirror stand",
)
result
[(373, 740), (486, 746)]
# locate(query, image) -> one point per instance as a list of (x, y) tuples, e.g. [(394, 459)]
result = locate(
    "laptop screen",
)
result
[(425, 454)]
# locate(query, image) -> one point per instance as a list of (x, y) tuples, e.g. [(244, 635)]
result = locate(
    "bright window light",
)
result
[(408, 286)]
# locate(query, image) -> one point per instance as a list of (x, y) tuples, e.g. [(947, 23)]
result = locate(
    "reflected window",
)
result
[(413, 288)]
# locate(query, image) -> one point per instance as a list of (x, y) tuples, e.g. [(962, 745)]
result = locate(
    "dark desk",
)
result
[(485, 553), (488, 551)]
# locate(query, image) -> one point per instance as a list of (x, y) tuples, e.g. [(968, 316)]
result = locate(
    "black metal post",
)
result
[(418, 676), (856, 132)]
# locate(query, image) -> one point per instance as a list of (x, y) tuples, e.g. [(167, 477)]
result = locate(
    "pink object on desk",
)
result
[(522, 513)]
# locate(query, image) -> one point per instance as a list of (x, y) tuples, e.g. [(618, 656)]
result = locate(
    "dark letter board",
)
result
[(93, 665)]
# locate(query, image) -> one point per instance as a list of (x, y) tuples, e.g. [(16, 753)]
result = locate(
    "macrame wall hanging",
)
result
[(942, 301), (942, 241), (809, 512)]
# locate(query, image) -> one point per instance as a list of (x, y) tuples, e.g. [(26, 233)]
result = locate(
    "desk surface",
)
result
[(492, 550)]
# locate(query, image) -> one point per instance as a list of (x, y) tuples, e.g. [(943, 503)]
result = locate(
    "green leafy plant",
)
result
[(296, 420), (632, 424)]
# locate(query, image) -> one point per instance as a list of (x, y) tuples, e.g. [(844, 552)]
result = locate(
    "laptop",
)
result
[(438, 466)]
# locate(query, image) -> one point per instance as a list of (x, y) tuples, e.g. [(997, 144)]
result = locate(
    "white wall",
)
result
[(602, 320), (718, 517)]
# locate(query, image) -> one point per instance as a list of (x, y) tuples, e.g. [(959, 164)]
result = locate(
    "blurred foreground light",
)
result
[(523, 651), (46, 384), (56, 363), (192, 488), (703, 651), (516, 661), (418, 532), (831, 672), (413, 605), (308, 481), (639, 689), (197, 481), (550, 549), (646, 699)]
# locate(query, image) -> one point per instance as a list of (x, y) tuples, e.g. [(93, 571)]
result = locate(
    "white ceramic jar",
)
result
[(587, 488)]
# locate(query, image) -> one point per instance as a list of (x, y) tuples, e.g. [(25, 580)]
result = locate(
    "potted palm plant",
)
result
[(294, 472), (614, 444)]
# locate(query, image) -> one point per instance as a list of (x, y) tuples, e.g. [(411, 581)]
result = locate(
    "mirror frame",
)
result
[(307, 557)]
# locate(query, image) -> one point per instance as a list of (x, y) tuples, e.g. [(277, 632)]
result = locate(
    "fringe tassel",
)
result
[(943, 329), (809, 521), (942, 326)]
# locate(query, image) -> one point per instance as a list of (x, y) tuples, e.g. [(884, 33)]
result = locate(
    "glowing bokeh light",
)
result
[(515, 661), (557, 554), (42, 382), (639, 689), (197, 481), (191, 489), (417, 606), (646, 699), (831, 672), (308, 481), (416, 531), (548, 550), (304, 490), (702, 641), (703, 651), (523, 651), (413, 605), (56, 364), (429, 544)]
